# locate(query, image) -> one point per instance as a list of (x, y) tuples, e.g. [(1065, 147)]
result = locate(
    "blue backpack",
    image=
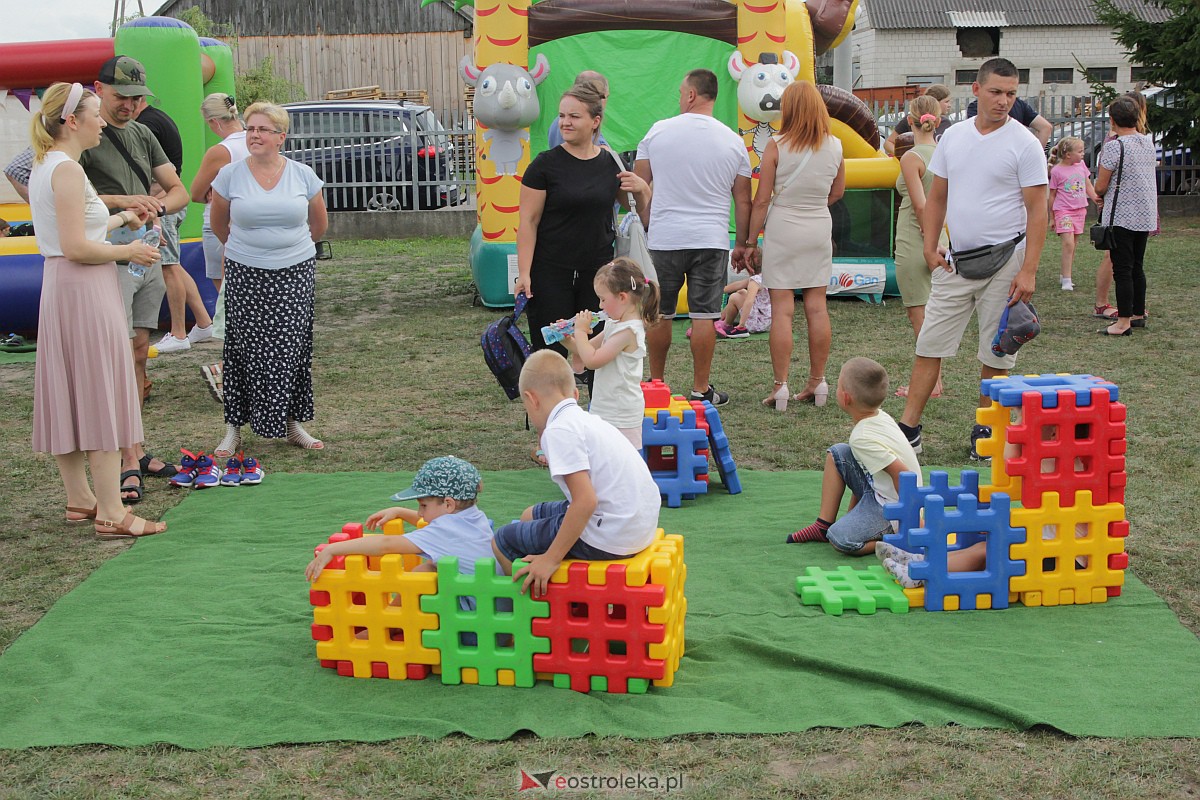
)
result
[(505, 349)]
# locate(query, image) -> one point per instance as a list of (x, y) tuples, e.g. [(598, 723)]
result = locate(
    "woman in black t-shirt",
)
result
[(566, 230)]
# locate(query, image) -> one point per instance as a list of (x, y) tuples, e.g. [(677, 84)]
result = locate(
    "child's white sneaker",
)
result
[(1066, 284)]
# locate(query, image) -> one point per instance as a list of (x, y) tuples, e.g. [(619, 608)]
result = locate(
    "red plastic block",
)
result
[(656, 393), (322, 633), (379, 669), (1114, 591), (345, 669), (1093, 435), (1118, 561), (355, 529), (598, 615), (1119, 529), (329, 663), (418, 672)]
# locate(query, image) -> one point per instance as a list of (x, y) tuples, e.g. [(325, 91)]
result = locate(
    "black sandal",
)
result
[(165, 471), (135, 490)]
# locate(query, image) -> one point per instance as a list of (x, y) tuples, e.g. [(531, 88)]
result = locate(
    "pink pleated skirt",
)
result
[(84, 391)]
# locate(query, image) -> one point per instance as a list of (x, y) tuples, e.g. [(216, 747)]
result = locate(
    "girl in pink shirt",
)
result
[(1070, 189)]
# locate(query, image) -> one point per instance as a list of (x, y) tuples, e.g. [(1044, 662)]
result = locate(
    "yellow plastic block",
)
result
[(1079, 531), (983, 601), (998, 418), (950, 602), (506, 677), (916, 597), (470, 675), (375, 615)]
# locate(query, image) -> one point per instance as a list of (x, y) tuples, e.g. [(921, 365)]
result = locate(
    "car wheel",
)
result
[(384, 200)]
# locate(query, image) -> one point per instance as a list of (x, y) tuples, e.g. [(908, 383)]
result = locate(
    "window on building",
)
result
[(978, 42), (1058, 75), (965, 77), (1023, 76), (1139, 74), (924, 80), (1102, 74)]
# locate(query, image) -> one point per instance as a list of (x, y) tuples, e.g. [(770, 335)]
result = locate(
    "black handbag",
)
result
[(1102, 235)]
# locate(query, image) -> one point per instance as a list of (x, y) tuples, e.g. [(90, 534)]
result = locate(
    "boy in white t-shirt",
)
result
[(869, 465), (445, 489), (611, 510)]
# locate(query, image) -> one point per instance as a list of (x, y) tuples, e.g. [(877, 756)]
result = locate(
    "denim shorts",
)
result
[(705, 270), (865, 522), (520, 539)]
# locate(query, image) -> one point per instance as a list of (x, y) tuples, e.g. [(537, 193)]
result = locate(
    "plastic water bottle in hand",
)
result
[(152, 237), (561, 330)]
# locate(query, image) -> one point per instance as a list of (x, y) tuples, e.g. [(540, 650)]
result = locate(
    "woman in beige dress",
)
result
[(85, 398), (802, 173)]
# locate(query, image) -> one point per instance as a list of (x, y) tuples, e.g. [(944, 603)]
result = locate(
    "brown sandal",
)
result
[(107, 529), (88, 514)]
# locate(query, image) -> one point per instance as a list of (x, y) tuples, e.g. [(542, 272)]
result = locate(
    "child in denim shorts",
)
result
[(869, 465), (611, 510)]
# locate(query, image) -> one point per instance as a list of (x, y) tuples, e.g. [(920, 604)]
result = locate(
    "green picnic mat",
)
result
[(200, 637), (15, 357)]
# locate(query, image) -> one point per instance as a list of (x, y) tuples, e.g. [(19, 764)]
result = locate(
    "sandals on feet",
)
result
[(302, 438), (135, 490), (1105, 312), (231, 443), (85, 514), (132, 527), (165, 471), (213, 380)]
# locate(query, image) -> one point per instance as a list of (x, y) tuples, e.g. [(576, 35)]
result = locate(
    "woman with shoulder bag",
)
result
[(1126, 182)]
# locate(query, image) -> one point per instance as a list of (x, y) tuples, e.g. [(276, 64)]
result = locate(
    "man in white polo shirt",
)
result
[(695, 163), (989, 189)]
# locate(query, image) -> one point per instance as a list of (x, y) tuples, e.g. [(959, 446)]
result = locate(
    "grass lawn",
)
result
[(399, 378)]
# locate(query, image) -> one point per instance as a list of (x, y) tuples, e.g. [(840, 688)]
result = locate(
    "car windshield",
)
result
[(431, 129)]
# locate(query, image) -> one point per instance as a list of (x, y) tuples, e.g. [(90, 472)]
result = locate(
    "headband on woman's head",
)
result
[(73, 98)]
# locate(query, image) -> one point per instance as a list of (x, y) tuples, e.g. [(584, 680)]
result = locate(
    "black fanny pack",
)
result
[(979, 263)]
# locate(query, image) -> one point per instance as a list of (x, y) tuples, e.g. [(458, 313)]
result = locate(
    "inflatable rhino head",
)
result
[(505, 99), (761, 85)]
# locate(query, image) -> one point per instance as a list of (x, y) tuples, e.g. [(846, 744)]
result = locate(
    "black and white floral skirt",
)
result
[(268, 346)]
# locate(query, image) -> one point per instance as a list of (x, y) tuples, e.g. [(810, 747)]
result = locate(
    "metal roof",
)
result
[(997, 13)]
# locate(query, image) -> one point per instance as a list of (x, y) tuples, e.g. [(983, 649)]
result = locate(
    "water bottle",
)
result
[(152, 237), (561, 330)]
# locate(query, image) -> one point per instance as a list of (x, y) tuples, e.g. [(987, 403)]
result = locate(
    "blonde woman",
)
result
[(801, 175), (86, 404), (268, 212), (913, 184)]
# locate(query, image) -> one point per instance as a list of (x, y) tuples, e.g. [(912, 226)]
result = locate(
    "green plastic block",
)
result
[(562, 681), (863, 590), (503, 630), (637, 686), (599, 683)]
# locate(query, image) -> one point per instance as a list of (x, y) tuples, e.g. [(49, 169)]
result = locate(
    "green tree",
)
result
[(204, 26), (263, 83), (1170, 52)]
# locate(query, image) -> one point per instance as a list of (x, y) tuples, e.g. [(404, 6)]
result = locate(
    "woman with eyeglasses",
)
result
[(268, 212)]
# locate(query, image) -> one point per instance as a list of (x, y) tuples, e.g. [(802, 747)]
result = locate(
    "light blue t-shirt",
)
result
[(268, 229), (467, 535)]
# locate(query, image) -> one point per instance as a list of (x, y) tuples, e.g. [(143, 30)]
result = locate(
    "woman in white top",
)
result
[(86, 405), (268, 212), (221, 114), (805, 162)]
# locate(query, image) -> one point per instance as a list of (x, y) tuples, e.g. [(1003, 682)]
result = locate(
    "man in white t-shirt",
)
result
[(989, 188), (695, 164)]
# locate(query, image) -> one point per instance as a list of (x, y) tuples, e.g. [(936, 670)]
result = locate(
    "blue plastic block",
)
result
[(907, 511), (968, 518), (683, 482), (1009, 391), (719, 448)]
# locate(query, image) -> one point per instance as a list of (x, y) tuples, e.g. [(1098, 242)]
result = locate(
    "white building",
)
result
[(897, 42)]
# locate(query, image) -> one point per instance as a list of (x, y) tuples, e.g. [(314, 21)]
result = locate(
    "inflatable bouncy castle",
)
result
[(181, 69), (644, 48)]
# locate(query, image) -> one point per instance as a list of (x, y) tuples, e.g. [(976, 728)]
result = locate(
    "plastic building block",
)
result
[(863, 590), (656, 394), (945, 590), (600, 630), (356, 598), (998, 418), (907, 510), (1010, 391), (1073, 554), (492, 638), (1070, 447), (719, 445), (681, 481)]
